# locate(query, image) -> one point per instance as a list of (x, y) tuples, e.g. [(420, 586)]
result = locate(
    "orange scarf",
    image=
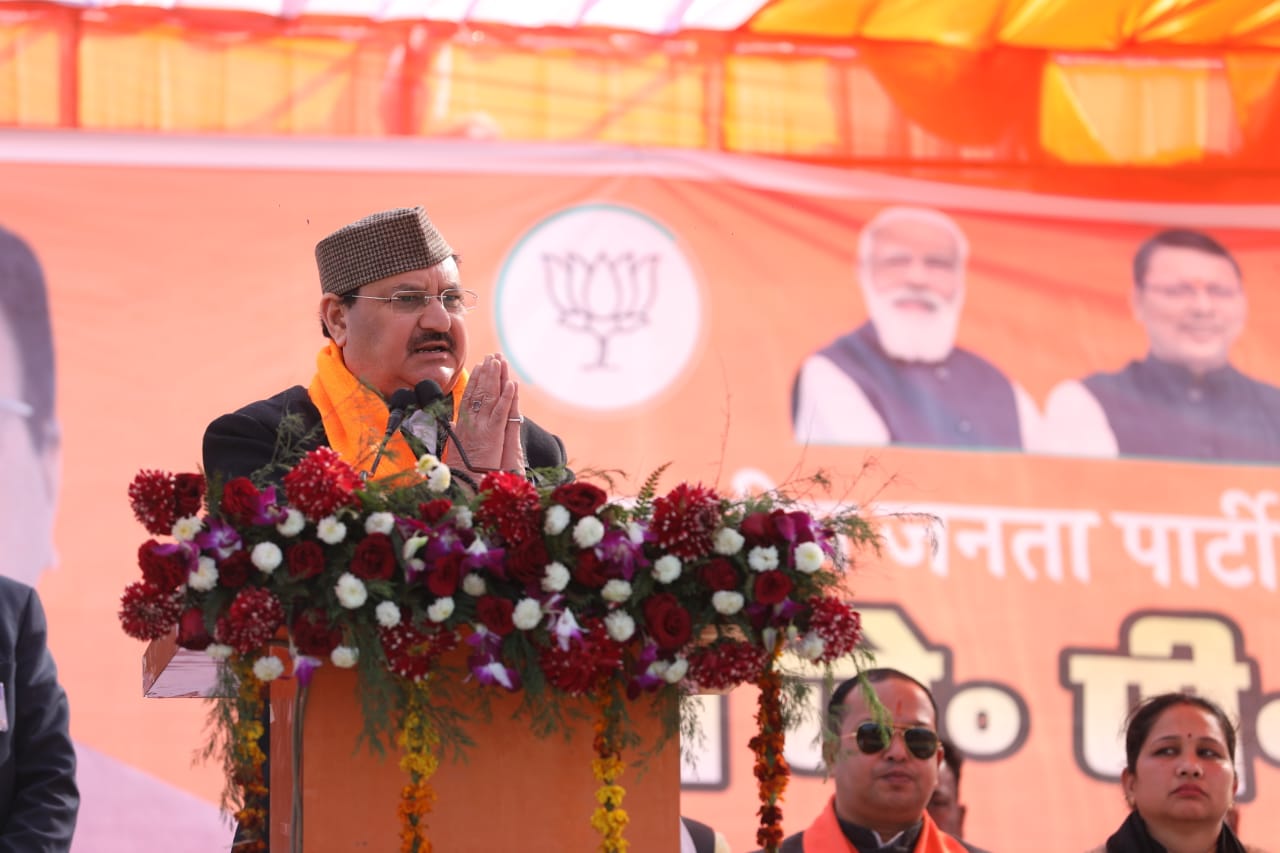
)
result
[(825, 836), (355, 416)]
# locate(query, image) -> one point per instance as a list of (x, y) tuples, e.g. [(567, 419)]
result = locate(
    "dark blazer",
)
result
[(38, 795), (238, 444)]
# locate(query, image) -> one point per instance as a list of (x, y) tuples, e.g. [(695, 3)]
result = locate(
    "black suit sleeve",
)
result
[(238, 444), (41, 814)]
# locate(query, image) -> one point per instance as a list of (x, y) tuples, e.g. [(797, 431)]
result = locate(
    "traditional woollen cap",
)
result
[(381, 245)]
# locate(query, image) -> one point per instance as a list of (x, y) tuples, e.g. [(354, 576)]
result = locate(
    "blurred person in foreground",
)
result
[(1179, 779), (944, 806), (697, 837), (39, 799), (884, 769), (900, 378), (1184, 399)]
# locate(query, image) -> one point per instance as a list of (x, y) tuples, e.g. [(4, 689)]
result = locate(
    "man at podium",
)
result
[(394, 311)]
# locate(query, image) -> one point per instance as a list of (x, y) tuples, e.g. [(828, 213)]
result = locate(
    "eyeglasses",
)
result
[(416, 301), (16, 407), (873, 737)]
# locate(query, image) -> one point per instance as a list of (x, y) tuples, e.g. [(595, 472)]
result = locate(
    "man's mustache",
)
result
[(427, 338)]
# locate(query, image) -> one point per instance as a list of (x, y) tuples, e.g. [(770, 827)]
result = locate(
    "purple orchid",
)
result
[(305, 666), (220, 539), (619, 551)]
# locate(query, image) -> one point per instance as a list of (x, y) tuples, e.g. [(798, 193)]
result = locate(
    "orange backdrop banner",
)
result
[(660, 308)]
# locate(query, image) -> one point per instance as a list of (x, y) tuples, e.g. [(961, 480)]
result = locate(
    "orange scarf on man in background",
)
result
[(825, 836), (355, 416)]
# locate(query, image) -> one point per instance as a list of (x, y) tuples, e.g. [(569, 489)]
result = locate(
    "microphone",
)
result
[(399, 404), (428, 392)]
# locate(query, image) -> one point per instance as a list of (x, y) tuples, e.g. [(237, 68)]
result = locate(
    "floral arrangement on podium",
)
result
[(558, 592)]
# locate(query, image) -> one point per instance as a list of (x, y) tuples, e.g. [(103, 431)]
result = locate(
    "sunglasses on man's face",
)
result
[(873, 737)]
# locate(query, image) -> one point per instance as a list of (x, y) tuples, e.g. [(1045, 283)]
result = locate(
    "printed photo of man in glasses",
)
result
[(884, 768), (1184, 399)]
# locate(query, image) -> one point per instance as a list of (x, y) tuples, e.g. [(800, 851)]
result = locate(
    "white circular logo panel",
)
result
[(598, 306)]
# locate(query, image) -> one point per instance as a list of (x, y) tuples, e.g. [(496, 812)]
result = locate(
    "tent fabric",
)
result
[(974, 24), (1021, 87)]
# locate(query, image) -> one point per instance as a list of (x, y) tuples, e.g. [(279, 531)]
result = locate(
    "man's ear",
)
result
[(333, 313)]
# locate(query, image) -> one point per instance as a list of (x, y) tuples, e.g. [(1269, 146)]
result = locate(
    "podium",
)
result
[(512, 791)]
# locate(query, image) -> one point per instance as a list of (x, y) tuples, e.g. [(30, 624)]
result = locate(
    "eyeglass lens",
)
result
[(873, 737)]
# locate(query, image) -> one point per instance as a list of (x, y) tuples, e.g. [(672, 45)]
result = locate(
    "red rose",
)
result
[(772, 587), (527, 561), (669, 624), (375, 558), (188, 494), (758, 528), (433, 511), (590, 571), (234, 569), (314, 635), (579, 498), (191, 631), (444, 575), (239, 499), (495, 614), (719, 575), (305, 560), (163, 571)]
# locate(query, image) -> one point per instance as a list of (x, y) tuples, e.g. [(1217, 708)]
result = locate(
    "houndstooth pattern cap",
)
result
[(380, 245)]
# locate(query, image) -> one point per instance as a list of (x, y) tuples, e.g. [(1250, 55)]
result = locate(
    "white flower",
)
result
[(727, 602), (473, 584), (439, 479), (809, 557), (440, 609), (330, 530), (268, 668), (462, 517), (379, 522), (555, 577), (266, 556), (205, 577), (811, 647), (620, 625), (412, 545), (186, 528), (763, 559), (528, 614), (635, 533), (616, 590), (345, 657), (292, 523), (427, 463), (351, 591), (218, 651), (588, 532), (558, 519), (478, 548), (727, 541), (388, 614), (676, 671), (666, 568)]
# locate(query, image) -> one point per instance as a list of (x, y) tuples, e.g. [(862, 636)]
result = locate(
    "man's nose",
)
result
[(897, 749), (434, 317)]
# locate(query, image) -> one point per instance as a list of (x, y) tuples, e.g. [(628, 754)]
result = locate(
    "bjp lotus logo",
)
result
[(598, 306)]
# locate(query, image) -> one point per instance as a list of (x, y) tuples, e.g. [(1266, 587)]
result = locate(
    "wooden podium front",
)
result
[(512, 791)]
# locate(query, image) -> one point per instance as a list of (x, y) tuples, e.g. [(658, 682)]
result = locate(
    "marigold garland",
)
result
[(609, 819), (248, 758), (419, 747), (771, 768)]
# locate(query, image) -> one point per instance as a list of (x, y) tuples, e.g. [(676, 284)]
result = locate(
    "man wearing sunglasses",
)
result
[(394, 310), (885, 766)]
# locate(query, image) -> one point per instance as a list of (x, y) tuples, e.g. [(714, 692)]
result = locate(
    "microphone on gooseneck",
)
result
[(401, 400), (428, 392)]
